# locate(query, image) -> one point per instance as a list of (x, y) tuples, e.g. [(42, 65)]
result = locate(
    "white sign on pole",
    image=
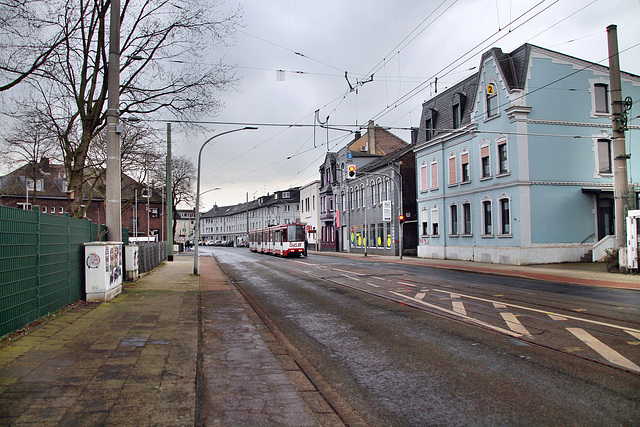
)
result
[(386, 210)]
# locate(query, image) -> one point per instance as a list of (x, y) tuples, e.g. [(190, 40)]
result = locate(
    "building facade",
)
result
[(513, 164), (43, 185), (309, 196), (230, 224)]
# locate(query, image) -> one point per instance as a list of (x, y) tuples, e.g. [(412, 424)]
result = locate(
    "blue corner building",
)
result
[(514, 163)]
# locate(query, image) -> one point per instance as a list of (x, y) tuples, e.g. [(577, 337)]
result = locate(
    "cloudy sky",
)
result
[(292, 56)]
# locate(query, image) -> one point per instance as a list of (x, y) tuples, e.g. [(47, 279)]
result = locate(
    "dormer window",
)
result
[(492, 100), (455, 113)]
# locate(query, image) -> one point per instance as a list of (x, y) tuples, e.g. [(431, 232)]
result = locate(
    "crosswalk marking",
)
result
[(420, 295), (514, 324), (607, 352), (556, 317), (499, 305)]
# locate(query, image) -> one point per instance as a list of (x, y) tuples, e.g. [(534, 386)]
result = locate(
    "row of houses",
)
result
[(512, 165)]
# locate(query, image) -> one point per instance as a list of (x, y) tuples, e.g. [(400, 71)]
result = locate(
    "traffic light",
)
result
[(401, 218), (351, 171)]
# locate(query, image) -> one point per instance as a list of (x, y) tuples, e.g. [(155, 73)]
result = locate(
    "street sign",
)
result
[(386, 210), (349, 155)]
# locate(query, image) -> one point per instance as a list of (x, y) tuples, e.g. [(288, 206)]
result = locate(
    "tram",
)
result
[(282, 240)]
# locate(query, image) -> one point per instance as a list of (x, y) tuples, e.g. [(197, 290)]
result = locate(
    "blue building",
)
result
[(514, 164)]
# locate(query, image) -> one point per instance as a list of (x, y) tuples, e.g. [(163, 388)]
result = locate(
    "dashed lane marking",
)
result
[(514, 324), (636, 335), (564, 317), (407, 284), (346, 271), (371, 284), (458, 306), (349, 277), (453, 313), (607, 352), (499, 305), (420, 295), (556, 317)]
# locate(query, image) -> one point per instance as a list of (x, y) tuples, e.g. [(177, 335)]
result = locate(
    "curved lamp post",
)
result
[(196, 238)]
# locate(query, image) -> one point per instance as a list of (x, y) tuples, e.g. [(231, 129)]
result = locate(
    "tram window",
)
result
[(296, 233), (284, 235)]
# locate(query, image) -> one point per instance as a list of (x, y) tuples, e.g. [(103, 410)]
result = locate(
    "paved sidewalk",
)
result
[(575, 273), (173, 350)]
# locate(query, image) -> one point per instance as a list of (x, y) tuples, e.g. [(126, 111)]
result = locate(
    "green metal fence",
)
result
[(41, 264)]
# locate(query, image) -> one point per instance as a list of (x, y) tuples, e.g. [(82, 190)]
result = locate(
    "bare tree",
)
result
[(27, 145), (30, 33), (163, 68), (182, 179)]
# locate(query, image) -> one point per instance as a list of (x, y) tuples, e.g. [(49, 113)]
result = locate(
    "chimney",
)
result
[(372, 137)]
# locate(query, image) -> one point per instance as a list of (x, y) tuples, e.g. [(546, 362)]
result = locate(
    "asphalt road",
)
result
[(406, 345)]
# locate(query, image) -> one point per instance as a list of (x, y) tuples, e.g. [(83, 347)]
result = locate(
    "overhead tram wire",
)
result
[(421, 86)]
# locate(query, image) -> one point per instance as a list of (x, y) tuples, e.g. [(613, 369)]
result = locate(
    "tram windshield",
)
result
[(295, 233)]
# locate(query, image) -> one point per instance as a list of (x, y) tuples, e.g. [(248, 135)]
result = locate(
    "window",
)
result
[(146, 192), (434, 175), (452, 170), (425, 222), (61, 210), (466, 213), (601, 92), (503, 164), (453, 209), (423, 178), (485, 164), (428, 129), (286, 195), (434, 222), (505, 222), (492, 100), (351, 201), (455, 111), (53, 209), (487, 228), (373, 193), (44, 209), (464, 166), (379, 183), (357, 197), (604, 156), (153, 212), (362, 199)]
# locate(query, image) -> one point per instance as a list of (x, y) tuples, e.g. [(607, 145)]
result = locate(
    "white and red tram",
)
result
[(281, 240)]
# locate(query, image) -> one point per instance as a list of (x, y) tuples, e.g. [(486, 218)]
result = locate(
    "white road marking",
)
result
[(371, 284), (514, 324), (556, 317), (352, 278), (407, 284), (467, 318), (420, 295), (458, 306), (595, 322), (377, 278), (607, 352), (499, 305), (346, 271), (636, 335)]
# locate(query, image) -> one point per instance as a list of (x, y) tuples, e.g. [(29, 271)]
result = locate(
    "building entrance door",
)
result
[(606, 220)]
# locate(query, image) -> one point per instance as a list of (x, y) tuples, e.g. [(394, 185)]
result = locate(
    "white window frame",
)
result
[(433, 182), (452, 156), (425, 222), (424, 177), (453, 232), (485, 144), (499, 142), (484, 202), (501, 233), (435, 222)]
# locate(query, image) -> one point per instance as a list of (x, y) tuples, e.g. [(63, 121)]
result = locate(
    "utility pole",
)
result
[(113, 212), (169, 198), (620, 183)]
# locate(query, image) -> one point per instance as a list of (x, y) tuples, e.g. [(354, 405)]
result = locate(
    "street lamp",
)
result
[(196, 238)]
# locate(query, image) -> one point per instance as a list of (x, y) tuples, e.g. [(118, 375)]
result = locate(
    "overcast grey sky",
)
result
[(404, 43)]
